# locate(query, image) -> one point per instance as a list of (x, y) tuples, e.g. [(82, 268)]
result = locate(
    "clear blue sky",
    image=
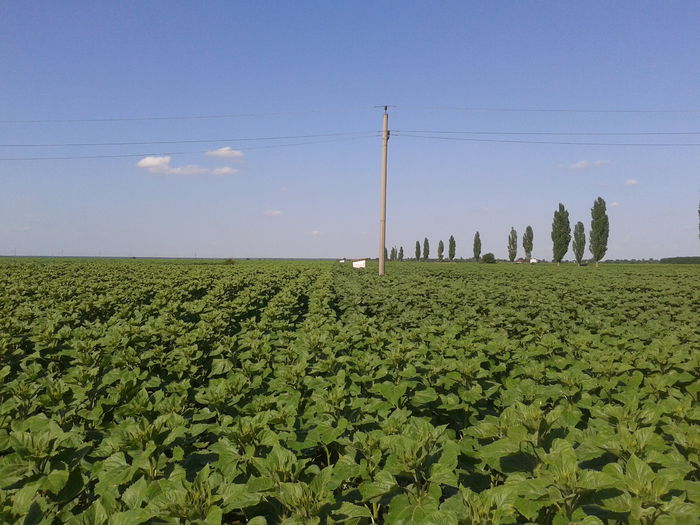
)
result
[(315, 68)]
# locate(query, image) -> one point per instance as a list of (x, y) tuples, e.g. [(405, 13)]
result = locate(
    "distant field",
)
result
[(308, 392)]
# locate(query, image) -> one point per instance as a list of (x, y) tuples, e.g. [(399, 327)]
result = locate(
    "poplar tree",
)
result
[(386, 254), (512, 244), (477, 247), (392, 257), (426, 249), (579, 244), (441, 250), (527, 242), (451, 248), (561, 233), (417, 250), (401, 253), (600, 228)]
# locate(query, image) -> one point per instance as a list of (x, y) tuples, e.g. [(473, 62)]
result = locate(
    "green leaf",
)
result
[(131, 517), (383, 483), (238, 496), (350, 510)]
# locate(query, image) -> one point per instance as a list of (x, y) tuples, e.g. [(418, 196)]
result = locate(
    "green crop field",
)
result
[(308, 392)]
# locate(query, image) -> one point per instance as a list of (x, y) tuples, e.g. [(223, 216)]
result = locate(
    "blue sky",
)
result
[(318, 68)]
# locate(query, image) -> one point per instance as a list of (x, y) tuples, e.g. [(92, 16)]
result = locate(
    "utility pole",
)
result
[(382, 198)]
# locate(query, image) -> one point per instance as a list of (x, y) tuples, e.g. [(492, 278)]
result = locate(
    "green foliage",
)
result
[(400, 256), (600, 229), (561, 233), (579, 244), (477, 247), (417, 250), (451, 248), (441, 250), (512, 244), (426, 249), (393, 254), (307, 392), (528, 238), (489, 258)]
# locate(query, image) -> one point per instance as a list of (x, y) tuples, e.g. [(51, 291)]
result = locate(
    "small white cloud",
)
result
[(224, 170), (161, 165), (272, 213), (154, 164), (315, 233), (583, 164), (614, 204), (225, 153), (631, 182)]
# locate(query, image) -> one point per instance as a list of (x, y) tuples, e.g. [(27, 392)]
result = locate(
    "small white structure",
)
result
[(533, 260), (359, 263), (341, 260)]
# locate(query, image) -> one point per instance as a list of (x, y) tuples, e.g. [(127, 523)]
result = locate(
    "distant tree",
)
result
[(579, 244), (451, 247), (386, 254), (527, 242), (600, 228), (417, 250), (489, 258), (561, 233), (401, 253), (512, 244), (441, 250), (426, 249), (392, 256), (477, 247)]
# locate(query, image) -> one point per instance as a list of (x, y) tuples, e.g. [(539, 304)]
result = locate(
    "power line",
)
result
[(551, 110), (557, 133), (173, 117), (348, 108), (193, 141), (566, 143), (171, 153)]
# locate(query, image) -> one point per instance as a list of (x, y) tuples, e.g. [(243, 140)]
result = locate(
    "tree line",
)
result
[(561, 238)]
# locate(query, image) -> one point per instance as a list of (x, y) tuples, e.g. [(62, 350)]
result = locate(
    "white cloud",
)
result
[(225, 153), (315, 233), (614, 204), (631, 182), (583, 164), (161, 165), (224, 170), (272, 213), (154, 163)]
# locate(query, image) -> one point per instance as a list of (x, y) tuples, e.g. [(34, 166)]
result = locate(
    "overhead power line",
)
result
[(187, 141), (550, 110), (173, 117), (558, 133), (171, 153), (566, 143)]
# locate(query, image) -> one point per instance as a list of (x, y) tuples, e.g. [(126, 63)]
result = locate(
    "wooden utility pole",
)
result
[(382, 198)]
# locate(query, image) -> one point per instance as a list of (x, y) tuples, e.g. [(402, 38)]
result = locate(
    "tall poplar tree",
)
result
[(600, 228), (426, 249), (392, 256), (401, 253), (477, 247), (512, 244), (386, 254), (561, 233), (527, 241), (441, 250), (579, 244), (417, 250), (451, 248)]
